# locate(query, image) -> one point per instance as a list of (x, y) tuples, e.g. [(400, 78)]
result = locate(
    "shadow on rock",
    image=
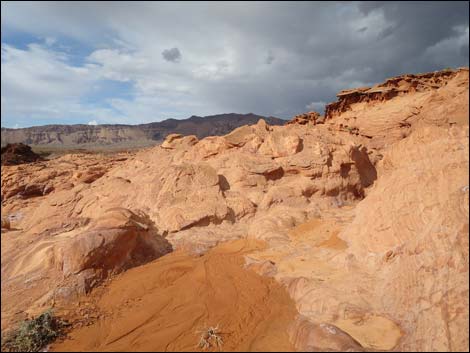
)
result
[(120, 240)]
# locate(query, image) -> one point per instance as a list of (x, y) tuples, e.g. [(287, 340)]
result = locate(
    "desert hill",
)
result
[(18, 153), (76, 136), (347, 231)]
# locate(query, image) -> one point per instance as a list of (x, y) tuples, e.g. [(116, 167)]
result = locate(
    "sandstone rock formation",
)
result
[(5, 223), (18, 153), (307, 118), (364, 218), (408, 101)]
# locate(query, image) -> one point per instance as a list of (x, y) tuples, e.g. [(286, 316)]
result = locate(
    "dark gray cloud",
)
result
[(464, 50), (386, 32), (413, 28), (172, 55), (272, 58)]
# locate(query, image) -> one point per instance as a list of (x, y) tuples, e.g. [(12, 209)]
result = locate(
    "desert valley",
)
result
[(347, 231)]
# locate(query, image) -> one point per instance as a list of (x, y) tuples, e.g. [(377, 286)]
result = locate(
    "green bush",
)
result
[(33, 335)]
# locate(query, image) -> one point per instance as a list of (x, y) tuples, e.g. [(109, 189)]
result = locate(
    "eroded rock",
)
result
[(351, 211), (18, 153), (117, 241)]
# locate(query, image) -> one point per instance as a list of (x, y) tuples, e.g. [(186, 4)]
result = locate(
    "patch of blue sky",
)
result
[(101, 95), (18, 39), (75, 51), (104, 90)]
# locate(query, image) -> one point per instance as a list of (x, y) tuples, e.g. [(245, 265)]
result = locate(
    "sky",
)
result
[(138, 62)]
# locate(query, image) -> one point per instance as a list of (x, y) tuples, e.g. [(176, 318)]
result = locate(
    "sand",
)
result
[(160, 306)]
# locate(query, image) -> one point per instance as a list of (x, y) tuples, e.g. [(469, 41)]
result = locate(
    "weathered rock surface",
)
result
[(365, 215), (18, 153), (5, 223), (64, 266), (115, 242), (391, 110), (307, 118)]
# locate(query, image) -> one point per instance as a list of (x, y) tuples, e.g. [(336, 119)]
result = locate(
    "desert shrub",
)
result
[(33, 335), (210, 337)]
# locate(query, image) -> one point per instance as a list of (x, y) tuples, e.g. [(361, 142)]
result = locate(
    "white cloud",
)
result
[(237, 58), (118, 65), (39, 84), (316, 106), (50, 41), (37, 74), (152, 108), (93, 122)]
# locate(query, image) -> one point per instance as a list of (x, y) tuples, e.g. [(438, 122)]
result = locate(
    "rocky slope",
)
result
[(18, 153), (139, 135), (362, 215)]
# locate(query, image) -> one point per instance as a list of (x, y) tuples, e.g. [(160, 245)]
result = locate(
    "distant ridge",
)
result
[(120, 134)]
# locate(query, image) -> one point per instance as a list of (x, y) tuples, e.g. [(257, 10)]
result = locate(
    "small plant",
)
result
[(33, 335), (210, 337)]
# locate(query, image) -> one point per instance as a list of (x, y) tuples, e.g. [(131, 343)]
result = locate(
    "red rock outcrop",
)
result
[(307, 118), (18, 153), (117, 241), (396, 86), (365, 216), (390, 111)]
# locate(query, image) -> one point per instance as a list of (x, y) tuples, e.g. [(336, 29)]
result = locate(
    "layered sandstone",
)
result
[(307, 118), (391, 110), (364, 220)]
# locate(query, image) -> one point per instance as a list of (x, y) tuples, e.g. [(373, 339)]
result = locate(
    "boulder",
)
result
[(115, 242), (174, 141), (18, 153), (190, 194), (280, 143)]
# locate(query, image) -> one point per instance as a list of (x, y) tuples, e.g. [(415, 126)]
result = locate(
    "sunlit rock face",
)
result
[(364, 213)]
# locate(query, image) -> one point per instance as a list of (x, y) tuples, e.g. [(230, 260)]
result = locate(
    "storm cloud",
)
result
[(267, 58), (270, 58), (172, 55)]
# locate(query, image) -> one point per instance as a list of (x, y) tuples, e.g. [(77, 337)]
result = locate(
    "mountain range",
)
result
[(82, 135)]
